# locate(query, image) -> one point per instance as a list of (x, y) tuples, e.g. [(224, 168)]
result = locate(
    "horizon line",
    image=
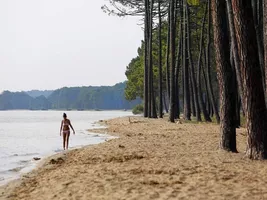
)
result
[(29, 90)]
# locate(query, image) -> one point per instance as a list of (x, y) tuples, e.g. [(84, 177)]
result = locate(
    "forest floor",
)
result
[(151, 159)]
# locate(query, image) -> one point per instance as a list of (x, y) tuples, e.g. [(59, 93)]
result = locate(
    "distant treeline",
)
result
[(76, 98)]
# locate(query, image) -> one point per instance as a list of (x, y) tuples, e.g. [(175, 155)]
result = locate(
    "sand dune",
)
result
[(151, 159)]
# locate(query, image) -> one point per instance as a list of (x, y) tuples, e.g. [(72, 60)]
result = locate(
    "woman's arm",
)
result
[(72, 128), (60, 128)]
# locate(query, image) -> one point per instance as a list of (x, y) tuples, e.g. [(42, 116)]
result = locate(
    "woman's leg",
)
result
[(67, 139), (64, 140)]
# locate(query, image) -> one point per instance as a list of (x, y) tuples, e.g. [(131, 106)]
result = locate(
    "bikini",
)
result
[(65, 124)]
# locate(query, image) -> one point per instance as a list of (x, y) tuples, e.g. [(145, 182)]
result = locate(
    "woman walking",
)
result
[(65, 130)]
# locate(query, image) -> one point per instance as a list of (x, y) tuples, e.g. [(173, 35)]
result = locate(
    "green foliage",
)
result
[(104, 97), (21, 100), (38, 93), (134, 85), (138, 109), (80, 98), (135, 69)]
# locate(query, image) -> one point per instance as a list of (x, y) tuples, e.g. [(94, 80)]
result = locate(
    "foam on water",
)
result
[(28, 134)]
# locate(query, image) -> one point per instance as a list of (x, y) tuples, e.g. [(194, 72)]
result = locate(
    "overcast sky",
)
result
[(48, 44)]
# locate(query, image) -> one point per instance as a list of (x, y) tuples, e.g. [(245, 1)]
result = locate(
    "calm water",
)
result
[(28, 134)]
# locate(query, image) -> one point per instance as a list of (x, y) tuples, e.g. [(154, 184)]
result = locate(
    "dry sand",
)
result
[(152, 159)]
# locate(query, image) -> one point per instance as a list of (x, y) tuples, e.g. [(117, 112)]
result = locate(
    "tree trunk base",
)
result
[(255, 154), (229, 149)]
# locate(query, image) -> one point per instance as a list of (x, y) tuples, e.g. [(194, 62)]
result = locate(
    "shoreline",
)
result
[(150, 159), (30, 168)]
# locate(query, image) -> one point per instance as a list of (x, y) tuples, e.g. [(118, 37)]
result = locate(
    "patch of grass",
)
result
[(139, 109)]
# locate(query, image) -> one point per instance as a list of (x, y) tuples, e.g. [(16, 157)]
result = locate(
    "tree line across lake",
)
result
[(74, 98), (202, 60)]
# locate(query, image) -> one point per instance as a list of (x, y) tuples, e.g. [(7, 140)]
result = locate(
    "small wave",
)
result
[(96, 135), (24, 161), (58, 150), (16, 169), (26, 154)]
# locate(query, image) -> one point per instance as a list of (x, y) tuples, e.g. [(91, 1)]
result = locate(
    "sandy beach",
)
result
[(151, 159)]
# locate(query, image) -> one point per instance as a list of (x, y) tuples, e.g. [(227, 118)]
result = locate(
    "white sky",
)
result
[(48, 44)]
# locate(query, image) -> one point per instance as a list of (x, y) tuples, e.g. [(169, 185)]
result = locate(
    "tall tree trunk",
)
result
[(225, 74), (164, 102), (146, 102), (260, 16), (234, 50), (154, 107), (238, 102), (160, 61), (255, 109), (153, 112), (212, 98), (150, 64), (182, 78), (265, 45), (187, 109), (261, 31), (167, 57), (207, 96), (193, 78), (237, 113), (256, 10), (177, 69), (199, 88), (193, 108), (172, 61), (235, 61), (178, 59), (150, 59)]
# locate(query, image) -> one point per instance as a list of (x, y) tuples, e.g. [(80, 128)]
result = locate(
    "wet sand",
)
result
[(151, 159)]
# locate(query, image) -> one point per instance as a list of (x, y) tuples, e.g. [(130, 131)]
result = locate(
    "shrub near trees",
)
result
[(185, 44)]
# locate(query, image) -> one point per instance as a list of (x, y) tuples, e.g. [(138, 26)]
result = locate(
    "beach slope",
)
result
[(151, 159)]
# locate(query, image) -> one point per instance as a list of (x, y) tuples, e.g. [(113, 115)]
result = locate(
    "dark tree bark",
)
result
[(182, 77), (160, 61), (167, 58), (193, 78), (234, 50), (207, 96), (154, 108), (150, 64), (187, 109), (149, 59), (212, 98), (265, 45), (235, 61), (193, 108), (165, 102), (251, 77), (256, 10), (225, 74), (153, 111), (177, 69), (146, 101), (151, 98), (235, 86), (199, 88), (238, 104), (172, 61), (178, 58)]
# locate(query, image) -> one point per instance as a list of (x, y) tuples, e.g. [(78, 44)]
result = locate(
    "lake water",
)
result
[(28, 134)]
